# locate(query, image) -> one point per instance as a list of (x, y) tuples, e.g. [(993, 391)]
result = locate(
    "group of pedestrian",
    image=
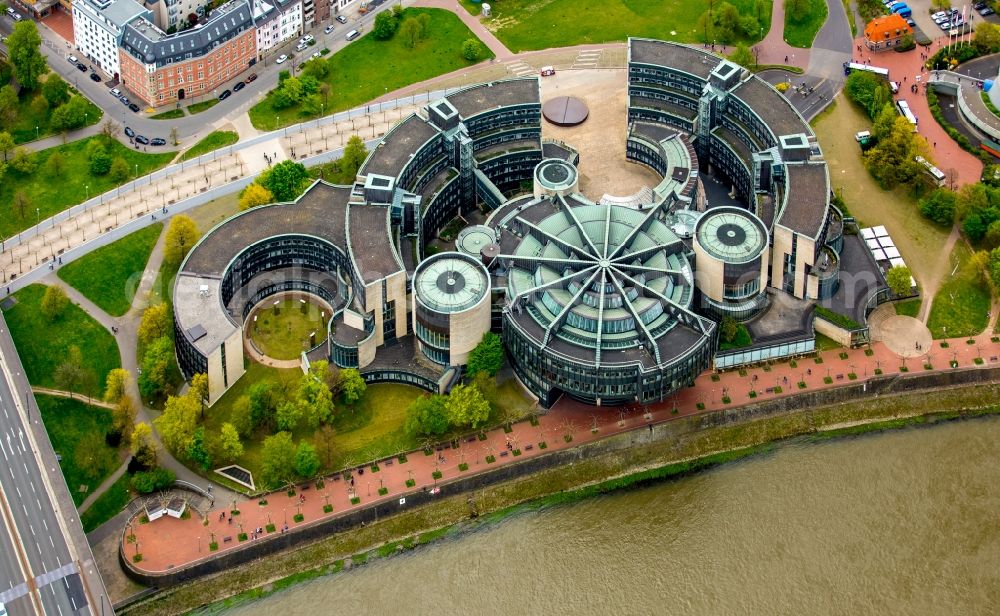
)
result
[(270, 159)]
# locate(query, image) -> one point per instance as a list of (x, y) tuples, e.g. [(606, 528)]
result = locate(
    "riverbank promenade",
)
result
[(170, 543)]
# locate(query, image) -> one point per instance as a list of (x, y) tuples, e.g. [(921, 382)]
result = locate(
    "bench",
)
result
[(227, 539), (529, 447), (503, 454), (388, 462)]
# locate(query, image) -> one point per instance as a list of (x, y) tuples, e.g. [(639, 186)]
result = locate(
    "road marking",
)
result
[(46, 524), (31, 527), (51, 542)]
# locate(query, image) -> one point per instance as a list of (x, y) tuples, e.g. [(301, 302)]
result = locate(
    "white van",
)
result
[(353, 34)]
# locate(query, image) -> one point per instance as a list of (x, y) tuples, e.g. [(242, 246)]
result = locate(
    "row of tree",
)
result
[(723, 23)]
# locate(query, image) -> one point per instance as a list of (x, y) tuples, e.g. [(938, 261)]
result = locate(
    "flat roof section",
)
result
[(199, 312), (806, 198), (674, 56), (371, 242), (486, 96), (397, 148), (773, 108), (320, 212)]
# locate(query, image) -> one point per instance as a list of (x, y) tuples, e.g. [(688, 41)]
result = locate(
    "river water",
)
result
[(906, 522)]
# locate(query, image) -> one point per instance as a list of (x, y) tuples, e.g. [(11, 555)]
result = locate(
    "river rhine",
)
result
[(904, 522)]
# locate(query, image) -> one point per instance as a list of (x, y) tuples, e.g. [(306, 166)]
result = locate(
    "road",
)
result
[(46, 565), (191, 128)]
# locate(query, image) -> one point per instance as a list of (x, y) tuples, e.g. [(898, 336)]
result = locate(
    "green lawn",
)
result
[(285, 335), (202, 106), (802, 25), (908, 307), (824, 343), (107, 505), (43, 345), (524, 25), (212, 141), (110, 275), (51, 195), (474, 8), (77, 433), (173, 114), (23, 128), (355, 78), (962, 303)]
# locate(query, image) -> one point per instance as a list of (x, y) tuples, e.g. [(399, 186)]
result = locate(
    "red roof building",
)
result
[(886, 32)]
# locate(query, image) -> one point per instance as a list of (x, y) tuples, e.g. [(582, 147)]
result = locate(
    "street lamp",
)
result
[(36, 133), (86, 187), (38, 215)]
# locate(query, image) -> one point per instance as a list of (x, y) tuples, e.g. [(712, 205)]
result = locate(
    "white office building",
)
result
[(98, 27), (277, 21)]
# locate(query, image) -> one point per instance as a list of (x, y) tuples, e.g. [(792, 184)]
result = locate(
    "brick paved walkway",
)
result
[(169, 543)]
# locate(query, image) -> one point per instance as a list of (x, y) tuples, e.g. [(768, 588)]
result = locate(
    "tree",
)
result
[(385, 26), (312, 105), (119, 170), (467, 406), (939, 206), (994, 265), (143, 445), (23, 161), (992, 237), (73, 375), (306, 460), (199, 389), (229, 443), (100, 163), (487, 356), (21, 203), (317, 68), (284, 180), (197, 451), (71, 115), (182, 235), (239, 416), (155, 323), (424, 19), (123, 417), (287, 415), (325, 443), (56, 164), (277, 459), (157, 362), (354, 156), (8, 105), (892, 161), (55, 90), (254, 195), (39, 106), (178, 422), (310, 85), (24, 49), (471, 50), (351, 386), (898, 278), (987, 37), (7, 143), (315, 401), (263, 402), (110, 131), (428, 416), (54, 302), (729, 329), (116, 385), (744, 57), (153, 480), (409, 33), (324, 91)]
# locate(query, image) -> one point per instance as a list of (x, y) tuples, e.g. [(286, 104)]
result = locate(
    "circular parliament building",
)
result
[(610, 301)]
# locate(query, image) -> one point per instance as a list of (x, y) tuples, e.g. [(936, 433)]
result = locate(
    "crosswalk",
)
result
[(519, 68), (587, 59)]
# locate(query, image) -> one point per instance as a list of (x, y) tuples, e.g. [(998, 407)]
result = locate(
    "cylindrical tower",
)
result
[(731, 250), (555, 177), (471, 240), (451, 306)]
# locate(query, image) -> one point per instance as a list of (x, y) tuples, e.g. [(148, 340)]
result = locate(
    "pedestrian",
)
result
[(935, 144), (786, 59)]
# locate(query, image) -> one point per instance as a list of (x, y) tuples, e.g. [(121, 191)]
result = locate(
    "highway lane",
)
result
[(47, 545)]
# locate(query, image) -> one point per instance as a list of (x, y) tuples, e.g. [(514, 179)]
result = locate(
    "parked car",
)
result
[(141, 139), (979, 5), (911, 23), (945, 25), (158, 141), (225, 94), (341, 19), (95, 77), (301, 47), (133, 107), (124, 100), (252, 77), (986, 11), (81, 66), (129, 132), (316, 54), (73, 59), (239, 86), (116, 92), (281, 59), (939, 15), (328, 29)]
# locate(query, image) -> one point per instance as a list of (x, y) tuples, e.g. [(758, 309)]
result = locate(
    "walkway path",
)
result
[(69, 394), (932, 279), (474, 24), (168, 542), (101, 489), (774, 49)]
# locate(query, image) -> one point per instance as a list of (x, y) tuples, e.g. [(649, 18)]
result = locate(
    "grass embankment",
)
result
[(355, 79), (802, 22), (77, 432), (687, 447), (524, 25), (107, 505), (202, 106), (51, 194), (44, 345), (908, 307), (212, 141), (110, 275), (962, 304), (173, 114)]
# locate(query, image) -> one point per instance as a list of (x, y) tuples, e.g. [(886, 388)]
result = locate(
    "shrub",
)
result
[(147, 482)]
